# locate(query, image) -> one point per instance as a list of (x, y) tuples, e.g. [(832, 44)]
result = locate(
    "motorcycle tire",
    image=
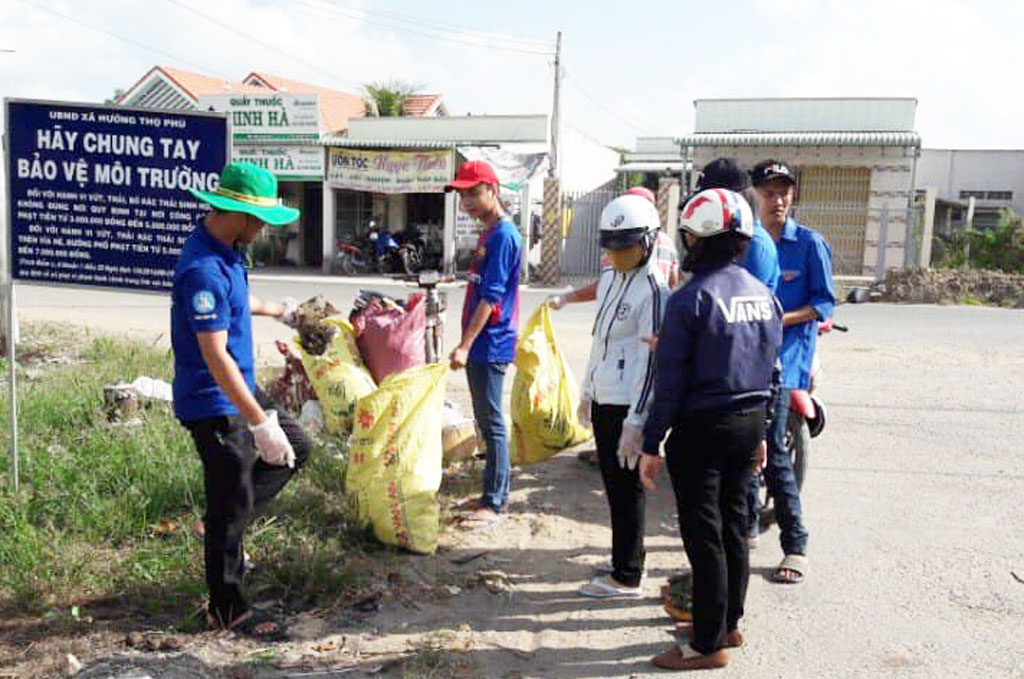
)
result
[(798, 444), (344, 265), (411, 262)]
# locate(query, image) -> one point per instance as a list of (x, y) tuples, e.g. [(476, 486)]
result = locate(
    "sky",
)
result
[(628, 73)]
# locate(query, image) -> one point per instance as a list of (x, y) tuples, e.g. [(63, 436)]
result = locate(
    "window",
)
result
[(964, 195), (999, 195)]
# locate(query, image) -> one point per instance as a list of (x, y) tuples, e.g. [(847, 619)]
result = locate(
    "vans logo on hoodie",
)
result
[(746, 309)]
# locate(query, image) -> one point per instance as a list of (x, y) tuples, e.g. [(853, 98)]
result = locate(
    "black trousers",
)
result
[(626, 498), (710, 457), (238, 487)]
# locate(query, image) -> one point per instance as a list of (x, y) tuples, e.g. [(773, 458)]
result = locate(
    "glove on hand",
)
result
[(272, 443), (291, 305), (583, 412), (630, 446), (556, 302)]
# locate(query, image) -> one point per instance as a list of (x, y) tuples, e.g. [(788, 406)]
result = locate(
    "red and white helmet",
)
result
[(714, 211)]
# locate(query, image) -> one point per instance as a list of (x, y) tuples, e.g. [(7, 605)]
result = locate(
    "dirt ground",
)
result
[(912, 501)]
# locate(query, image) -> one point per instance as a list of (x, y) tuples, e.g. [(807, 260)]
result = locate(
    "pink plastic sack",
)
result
[(392, 339)]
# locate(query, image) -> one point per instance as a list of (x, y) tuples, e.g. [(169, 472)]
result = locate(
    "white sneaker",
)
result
[(605, 587)]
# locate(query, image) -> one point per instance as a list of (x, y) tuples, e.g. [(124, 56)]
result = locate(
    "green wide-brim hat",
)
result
[(248, 188)]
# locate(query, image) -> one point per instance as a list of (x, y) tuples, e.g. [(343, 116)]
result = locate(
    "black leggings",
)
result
[(238, 487), (710, 458), (626, 499)]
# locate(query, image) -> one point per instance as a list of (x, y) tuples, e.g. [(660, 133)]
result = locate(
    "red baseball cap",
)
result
[(471, 173)]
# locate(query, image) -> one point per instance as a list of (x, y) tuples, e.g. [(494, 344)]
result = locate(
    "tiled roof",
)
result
[(418, 105), (335, 107), (195, 84)]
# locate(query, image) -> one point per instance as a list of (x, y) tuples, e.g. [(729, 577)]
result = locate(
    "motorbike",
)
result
[(351, 259), (806, 421)]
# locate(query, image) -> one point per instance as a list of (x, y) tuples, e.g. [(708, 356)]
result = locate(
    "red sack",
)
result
[(392, 339)]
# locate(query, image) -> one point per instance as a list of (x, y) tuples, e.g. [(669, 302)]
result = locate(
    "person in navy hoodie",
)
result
[(807, 296), (490, 318), (715, 369)]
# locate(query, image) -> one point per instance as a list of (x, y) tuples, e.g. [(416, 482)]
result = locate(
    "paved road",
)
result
[(912, 500)]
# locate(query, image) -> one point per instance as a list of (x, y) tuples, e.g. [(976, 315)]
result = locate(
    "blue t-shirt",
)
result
[(762, 260), (805, 268), (494, 277), (211, 293)]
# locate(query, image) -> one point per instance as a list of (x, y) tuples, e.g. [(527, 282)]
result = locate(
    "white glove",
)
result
[(630, 446), (291, 305), (556, 302), (583, 412), (272, 443)]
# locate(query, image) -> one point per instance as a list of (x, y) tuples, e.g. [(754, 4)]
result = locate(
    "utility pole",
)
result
[(556, 113)]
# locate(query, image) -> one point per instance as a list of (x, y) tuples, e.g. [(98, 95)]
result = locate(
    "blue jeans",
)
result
[(781, 482), (485, 381)]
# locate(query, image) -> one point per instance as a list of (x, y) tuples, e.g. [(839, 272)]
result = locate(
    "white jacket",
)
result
[(621, 367)]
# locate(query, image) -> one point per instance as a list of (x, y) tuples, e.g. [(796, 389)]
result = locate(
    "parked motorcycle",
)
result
[(351, 260), (806, 421)]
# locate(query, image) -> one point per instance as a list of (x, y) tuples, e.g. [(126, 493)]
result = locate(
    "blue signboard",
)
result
[(98, 194)]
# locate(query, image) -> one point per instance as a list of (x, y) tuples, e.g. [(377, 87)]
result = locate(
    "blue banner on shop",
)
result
[(98, 194)]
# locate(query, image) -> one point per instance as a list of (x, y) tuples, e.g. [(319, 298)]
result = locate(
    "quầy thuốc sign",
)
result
[(384, 171), (272, 116), (98, 194), (286, 162)]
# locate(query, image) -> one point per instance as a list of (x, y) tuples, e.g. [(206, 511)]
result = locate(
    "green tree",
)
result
[(387, 98)]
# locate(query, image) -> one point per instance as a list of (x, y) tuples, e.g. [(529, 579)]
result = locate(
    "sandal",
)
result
[(792, 570), (481, 519), (685, 657), (256, 625), (607, 587), (733, 638)]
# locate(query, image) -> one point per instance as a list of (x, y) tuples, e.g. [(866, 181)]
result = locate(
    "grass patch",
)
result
[(105, 511)]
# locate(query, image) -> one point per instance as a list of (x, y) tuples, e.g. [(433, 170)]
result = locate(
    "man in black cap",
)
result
[(807, 297)]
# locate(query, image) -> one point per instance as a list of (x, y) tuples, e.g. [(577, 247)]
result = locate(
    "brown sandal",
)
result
[(685, 657), (733, 638)]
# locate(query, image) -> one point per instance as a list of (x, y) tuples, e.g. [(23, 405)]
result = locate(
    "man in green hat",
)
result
[(249, 450)]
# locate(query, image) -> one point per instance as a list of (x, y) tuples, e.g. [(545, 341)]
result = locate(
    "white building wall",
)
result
[(585, 163), (951, 171)]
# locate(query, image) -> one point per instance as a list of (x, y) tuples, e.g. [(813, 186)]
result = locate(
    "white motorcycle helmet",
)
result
[(627, 221), (715, 211)]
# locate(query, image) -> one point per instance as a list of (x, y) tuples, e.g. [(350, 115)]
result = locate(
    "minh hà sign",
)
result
[(271, 116), (301, 163)]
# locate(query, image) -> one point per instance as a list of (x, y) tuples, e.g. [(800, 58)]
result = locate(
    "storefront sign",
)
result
[(381, 171), (98, 195), (271, 116), (287, 162)]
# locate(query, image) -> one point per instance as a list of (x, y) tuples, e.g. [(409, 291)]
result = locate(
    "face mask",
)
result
[(626, 260)]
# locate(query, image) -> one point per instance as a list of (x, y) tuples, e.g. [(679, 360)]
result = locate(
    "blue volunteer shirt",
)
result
[(805, 268), (494, 277), (762, 259), (211, 293), (717, 349)]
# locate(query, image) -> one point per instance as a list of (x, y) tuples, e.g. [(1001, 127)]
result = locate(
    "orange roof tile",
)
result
[(336, 108), (196, 84), (418, 105)]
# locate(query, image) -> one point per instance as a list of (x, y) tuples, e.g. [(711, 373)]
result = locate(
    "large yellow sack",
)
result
[(394, 467), (544, 395), (339, 377)]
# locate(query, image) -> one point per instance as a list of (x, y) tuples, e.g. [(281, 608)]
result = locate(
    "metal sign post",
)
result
[(12, 317)]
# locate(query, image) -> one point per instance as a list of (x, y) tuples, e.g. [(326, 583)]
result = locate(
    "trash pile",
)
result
[(364, 377), (950, 286)]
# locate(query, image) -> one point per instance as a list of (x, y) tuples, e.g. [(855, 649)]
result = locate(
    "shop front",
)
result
[(399, 191), (280, 132)]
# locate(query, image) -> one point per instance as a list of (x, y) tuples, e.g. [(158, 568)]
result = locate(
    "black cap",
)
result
[(723, 173), (767, 170)]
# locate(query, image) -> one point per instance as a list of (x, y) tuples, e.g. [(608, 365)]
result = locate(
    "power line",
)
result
[(644, 129), (119, 36), (262, 43), (442, 26), (341, 14)]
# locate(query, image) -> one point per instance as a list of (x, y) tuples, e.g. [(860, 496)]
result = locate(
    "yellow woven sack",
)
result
[(394, 467), (338, 377), (544, 395)]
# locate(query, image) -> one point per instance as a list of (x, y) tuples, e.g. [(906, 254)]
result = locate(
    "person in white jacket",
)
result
[(619, 381)]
